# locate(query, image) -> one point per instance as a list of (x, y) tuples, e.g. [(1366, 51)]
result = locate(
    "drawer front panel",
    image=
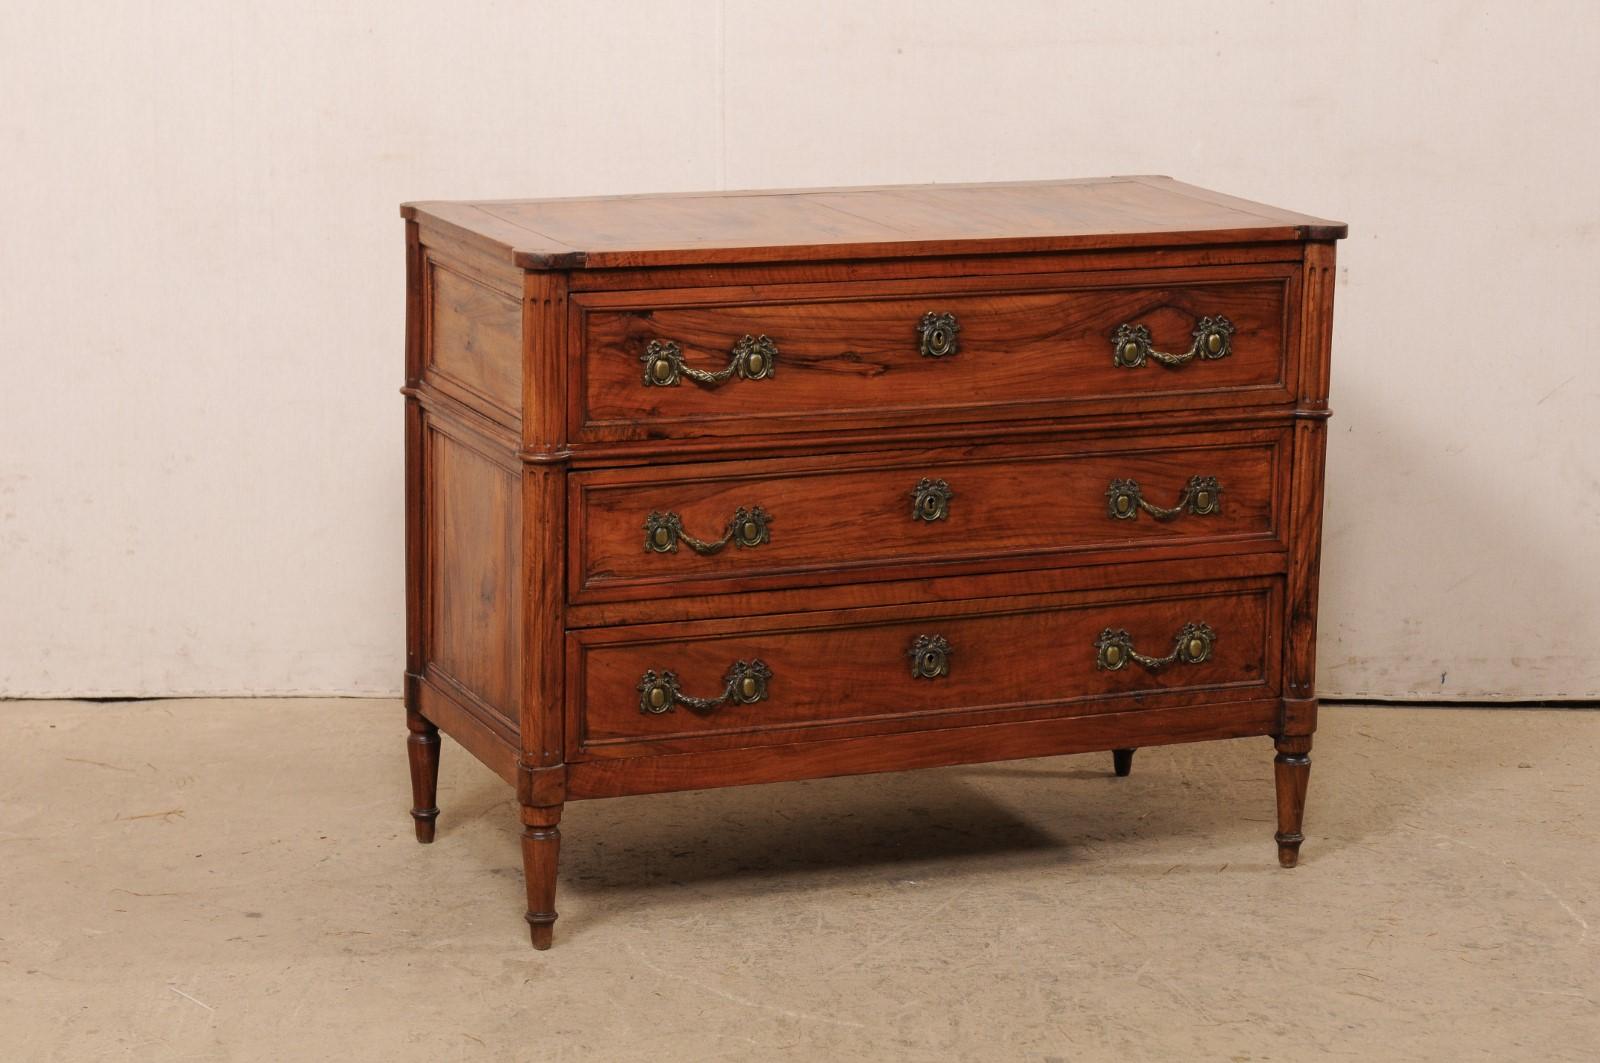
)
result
[(786, 679), (681, 529), (677, 363)]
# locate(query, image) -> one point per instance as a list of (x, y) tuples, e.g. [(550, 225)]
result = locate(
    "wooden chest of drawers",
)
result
[(705, 490)]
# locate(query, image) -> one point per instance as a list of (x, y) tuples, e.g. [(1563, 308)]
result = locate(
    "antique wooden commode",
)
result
[(704, 490)]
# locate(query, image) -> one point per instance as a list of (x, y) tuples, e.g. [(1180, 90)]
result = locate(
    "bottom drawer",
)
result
[(664, 688)]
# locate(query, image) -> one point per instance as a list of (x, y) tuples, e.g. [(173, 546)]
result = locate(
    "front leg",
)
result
[(1291, 772), (422, 750), (1122, 762), (541, 846)]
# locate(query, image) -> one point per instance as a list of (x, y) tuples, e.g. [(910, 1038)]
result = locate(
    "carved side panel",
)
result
[(474, 536), (473, 338)]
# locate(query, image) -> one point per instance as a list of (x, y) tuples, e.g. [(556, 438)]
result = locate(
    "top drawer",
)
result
[(784, 358)]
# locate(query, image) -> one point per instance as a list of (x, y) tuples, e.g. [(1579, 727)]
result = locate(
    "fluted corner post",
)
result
[(422, 739), (1298, 715), (541, 770)]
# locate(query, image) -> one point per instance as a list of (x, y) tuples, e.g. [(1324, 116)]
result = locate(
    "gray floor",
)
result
[(233, 880)]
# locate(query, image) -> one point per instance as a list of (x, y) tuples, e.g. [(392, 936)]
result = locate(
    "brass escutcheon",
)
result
[(939, 335), (930, 500), (930, 657)]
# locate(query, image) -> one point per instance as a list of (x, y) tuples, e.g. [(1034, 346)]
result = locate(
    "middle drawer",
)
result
[(689, 529)]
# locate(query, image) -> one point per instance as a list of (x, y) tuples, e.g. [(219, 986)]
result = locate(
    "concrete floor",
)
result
[(236, 880)]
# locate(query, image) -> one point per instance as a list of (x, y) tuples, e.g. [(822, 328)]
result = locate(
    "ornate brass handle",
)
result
[(1131, 346), (930, 657), (745, 684), (1114, 649), (1202, 496), (930, 500), (664, 531), (753, 358), (938, 332)]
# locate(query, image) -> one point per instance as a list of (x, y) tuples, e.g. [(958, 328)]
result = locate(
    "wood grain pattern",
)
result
[(1011, 658), (1120, 569), (850, 353), (1310, 449), (761, 275), (861, 223), (909, 434), (534, 452), (474, 631), (543, 529), (843, 518), (920, 749), (473, 340), (481, 731), (416, 508)]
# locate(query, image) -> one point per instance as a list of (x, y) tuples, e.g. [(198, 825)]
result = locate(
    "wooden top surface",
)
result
[(701, 228)]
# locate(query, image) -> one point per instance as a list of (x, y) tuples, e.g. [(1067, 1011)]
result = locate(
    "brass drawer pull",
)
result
[(664, 531), (1193, 644), (1202, 496), (1131, 346), (745, 684), (930, 657), (930, 500), (939, 335), (753, 358)]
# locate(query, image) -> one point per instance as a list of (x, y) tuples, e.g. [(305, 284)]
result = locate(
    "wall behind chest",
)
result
[(201, 281)]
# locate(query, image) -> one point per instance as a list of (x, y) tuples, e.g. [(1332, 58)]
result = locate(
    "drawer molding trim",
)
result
[(1131, 346), (1193, 645)]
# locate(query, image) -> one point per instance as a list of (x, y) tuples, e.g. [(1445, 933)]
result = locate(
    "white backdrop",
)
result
[(201, 280)]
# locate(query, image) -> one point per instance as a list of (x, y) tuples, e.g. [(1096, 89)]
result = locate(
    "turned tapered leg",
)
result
[(1122, 762), (422, 749), (541, 846), (1291, 771)]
